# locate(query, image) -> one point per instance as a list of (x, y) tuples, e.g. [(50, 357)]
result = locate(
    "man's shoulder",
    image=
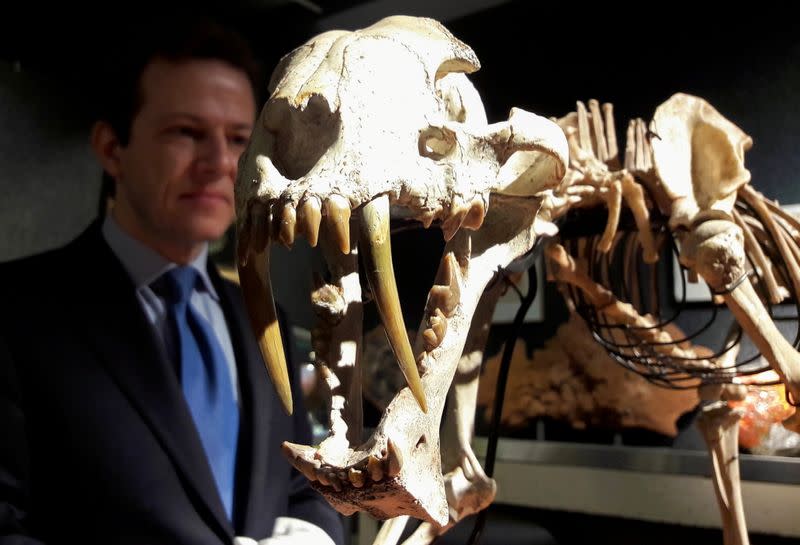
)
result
[(30, 267), (37, 272), (27, 283), (90, 234)]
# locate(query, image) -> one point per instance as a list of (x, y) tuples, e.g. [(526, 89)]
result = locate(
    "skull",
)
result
[(364, 127)]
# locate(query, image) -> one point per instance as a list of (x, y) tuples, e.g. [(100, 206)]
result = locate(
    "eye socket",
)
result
[(436, 142)]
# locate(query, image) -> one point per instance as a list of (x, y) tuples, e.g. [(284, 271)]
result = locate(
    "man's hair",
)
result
[(172, 39)]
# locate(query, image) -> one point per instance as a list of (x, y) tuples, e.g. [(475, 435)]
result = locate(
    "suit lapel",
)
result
[(131, 354), (256, 408)]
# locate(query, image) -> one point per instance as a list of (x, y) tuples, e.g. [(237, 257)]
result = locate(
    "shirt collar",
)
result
[(143, 264)]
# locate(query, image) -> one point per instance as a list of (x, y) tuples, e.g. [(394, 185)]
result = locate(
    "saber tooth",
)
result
[(376, 240), (257, 290)]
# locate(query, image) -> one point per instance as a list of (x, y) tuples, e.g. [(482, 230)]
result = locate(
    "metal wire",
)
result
[(638, 348), (500, 389)]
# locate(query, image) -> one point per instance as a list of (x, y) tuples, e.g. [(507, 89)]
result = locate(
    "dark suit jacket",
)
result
[(97, 444)]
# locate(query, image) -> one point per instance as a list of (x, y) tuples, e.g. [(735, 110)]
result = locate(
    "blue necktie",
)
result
[(206, 380)]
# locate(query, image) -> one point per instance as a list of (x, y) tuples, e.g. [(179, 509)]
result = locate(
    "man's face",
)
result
[(176, 174)]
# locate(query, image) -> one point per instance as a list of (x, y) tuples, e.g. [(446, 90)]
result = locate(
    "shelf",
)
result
[(653, 484)]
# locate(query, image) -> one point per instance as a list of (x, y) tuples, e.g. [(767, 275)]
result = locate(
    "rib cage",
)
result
[(631, 280)]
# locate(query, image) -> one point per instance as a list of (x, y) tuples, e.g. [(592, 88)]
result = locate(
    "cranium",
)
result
[(362, 127)]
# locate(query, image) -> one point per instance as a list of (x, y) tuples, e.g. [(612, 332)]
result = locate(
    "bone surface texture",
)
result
[(361, 129)]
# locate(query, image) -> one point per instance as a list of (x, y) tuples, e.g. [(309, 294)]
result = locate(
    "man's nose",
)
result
[(217, 155)]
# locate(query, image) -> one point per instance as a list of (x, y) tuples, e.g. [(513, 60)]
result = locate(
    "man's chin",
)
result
[(208, 231)]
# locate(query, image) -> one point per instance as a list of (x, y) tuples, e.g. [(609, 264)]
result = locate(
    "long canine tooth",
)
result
[(337, 212), (257, 290), (375, 468), (356, 477), (394, 459), (287, 225), (309, 216), (376, 241)]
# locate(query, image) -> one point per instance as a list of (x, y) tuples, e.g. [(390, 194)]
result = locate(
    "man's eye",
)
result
[(187, 131), (238, 139)]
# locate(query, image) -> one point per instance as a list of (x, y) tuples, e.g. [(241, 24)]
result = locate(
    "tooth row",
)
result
[(284, 222), (442, 302), (371, 469)]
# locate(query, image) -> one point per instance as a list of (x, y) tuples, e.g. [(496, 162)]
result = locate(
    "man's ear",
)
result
[(106, 147)]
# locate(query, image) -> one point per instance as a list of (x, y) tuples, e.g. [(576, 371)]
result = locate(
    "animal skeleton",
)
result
[(382, 123)]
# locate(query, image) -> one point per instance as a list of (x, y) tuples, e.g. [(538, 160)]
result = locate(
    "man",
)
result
[(134, 405)]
